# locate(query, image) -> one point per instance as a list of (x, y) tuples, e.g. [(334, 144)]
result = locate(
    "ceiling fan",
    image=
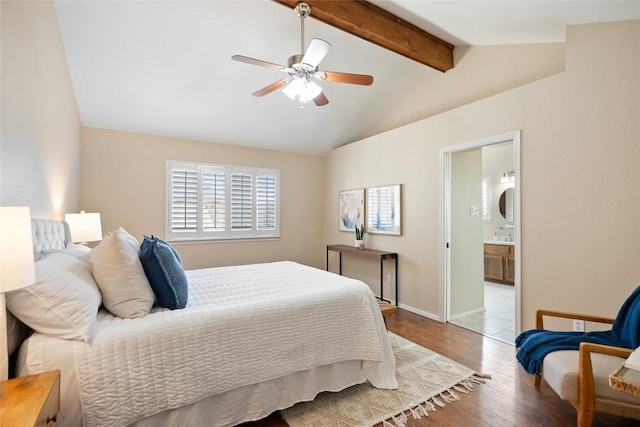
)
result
[(302, 70)]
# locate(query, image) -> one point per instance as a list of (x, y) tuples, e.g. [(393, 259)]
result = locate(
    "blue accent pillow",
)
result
[(163, 268)]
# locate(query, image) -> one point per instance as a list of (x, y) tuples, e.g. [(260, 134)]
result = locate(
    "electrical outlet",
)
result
[(388, 277), (578, 325)]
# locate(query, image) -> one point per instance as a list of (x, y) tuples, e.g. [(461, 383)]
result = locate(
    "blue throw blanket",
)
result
[(533, 345)]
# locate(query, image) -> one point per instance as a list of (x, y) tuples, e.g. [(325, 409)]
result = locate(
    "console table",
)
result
[(371, 254)]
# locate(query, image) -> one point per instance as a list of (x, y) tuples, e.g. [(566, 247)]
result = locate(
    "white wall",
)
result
[(579, 178), (479, 72), (40, 136), (124, 178)]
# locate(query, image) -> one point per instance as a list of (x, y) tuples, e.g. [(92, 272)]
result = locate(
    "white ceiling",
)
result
[(165, 68)]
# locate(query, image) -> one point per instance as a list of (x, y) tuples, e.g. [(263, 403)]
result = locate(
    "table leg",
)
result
[(396, 258), (327, 269), (382, 278)]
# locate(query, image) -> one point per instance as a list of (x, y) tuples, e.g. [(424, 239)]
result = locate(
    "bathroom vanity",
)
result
[(499, 262)]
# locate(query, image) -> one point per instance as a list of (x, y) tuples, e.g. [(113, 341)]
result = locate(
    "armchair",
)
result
[(582, 377)]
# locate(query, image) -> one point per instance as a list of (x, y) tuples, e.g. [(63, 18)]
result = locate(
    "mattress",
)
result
[(243, 325)]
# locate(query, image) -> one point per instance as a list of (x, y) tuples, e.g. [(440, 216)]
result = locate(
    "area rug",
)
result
[(426, 381)]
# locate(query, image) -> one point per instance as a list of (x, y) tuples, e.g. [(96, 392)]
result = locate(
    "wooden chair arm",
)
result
[(567, 315), (540, 313), (586, 389), (587, 347)]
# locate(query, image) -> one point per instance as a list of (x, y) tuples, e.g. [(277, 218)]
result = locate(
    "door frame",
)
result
[(445, 218)]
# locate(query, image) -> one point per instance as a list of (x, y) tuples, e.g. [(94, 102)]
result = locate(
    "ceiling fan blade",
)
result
[(321, 100), (354, 79), (268, 89), (259, 62), (316, 51)]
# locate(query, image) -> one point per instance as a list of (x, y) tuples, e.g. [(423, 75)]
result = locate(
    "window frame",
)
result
[(487, 199), (385, 200), (228, 234)]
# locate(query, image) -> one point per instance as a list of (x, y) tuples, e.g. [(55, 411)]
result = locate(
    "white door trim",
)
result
[(445, 221)]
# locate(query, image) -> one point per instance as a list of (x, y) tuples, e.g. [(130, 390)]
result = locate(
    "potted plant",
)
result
[(360, 236)]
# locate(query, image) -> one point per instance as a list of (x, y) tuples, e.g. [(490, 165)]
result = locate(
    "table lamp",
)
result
[(17, 269), (84, 227)]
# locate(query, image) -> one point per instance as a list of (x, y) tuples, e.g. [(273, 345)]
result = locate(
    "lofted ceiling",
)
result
[(164, 67)]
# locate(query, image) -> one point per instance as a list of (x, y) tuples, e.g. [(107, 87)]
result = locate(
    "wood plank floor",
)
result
[(508, 399)]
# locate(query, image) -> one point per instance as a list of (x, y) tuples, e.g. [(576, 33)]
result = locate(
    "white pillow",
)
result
[(63, 302), (118, 271), (17, 332), (78, 248), (78, 251)]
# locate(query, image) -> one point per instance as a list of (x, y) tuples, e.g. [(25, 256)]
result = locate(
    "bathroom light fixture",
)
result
[(507, 177), (84, 227)]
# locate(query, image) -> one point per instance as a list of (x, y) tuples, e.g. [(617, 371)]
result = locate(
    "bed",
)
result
[(252, 339)]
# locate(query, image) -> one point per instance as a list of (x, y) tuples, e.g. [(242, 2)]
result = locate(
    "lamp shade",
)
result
[(302, 88), (294, 88), (311, 91), (16, 249), (84, 227)]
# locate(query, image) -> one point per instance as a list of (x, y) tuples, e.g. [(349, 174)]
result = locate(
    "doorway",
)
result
[(481, 214)]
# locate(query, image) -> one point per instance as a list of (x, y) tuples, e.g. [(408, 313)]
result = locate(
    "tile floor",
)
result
[(498, 321)]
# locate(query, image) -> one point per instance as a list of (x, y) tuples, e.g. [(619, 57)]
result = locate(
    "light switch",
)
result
[(473, 210)]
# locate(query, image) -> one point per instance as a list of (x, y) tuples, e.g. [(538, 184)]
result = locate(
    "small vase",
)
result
[(359, 244)]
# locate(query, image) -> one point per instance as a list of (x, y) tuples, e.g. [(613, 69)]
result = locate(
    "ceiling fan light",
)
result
[(294, 88), (310, 91)]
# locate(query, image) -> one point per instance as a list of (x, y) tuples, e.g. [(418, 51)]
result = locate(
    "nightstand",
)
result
[(31, 401)]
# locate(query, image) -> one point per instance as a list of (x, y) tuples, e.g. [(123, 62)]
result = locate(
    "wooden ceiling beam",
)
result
[(371, 23)]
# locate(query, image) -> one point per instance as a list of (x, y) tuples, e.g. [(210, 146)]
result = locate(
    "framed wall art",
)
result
[(384, 206), (352, 209)]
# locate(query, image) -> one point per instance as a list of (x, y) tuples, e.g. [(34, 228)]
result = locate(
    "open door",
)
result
[(466, 227), (466, 284)]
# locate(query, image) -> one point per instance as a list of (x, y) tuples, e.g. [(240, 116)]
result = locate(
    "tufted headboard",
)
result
[(49, 234)]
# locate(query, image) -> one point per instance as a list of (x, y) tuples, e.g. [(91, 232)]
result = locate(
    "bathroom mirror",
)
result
[(505, 205)]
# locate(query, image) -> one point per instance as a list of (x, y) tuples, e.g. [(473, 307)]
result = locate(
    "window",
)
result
[(383, 209), (221, 202), (486, 199)]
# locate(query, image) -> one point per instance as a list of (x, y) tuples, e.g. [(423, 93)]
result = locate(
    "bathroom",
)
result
[(497, 317)]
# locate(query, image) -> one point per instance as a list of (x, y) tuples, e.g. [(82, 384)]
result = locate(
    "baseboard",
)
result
[(468, 313), (421, 312), (435, 316)]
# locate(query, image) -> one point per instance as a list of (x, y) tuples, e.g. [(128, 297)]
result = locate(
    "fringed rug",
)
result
[(426, 381)]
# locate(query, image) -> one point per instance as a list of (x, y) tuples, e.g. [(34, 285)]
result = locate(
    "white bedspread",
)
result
[(243, 325)]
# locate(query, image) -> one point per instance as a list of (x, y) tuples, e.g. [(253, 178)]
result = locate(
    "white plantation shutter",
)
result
[(266, 202), (383, 205), (221, 202), (214, 203), (486, 199), (184, 198), (241, 201)]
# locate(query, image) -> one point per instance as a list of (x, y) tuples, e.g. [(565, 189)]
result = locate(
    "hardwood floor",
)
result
[(508, 399)]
